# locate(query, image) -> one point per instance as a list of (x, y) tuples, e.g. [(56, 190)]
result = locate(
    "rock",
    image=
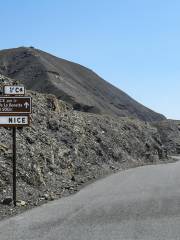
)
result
[(113, 167), (21, 203), (29, 193), (7, 201), (73, 179), (46, 196), (41, 198), (49, 197), (3, 147)]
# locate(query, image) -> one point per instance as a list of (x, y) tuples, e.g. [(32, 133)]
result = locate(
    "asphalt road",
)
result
[(141, 203)]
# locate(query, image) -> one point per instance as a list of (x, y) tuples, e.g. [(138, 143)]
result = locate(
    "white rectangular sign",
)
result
[(14, 120), (14, 90)]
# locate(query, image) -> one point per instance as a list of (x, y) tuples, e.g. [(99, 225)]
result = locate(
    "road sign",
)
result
[(13, 90), (14, 121), (14, 112), (15, 105)]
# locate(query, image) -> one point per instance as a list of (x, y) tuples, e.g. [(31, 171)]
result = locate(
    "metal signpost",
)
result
[(15, 105), (15, 110), (14, 166)]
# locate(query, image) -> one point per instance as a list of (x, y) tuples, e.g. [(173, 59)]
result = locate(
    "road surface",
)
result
[(140, 203)]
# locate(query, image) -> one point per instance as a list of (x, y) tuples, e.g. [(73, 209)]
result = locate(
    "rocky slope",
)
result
[(75, 84), (64, 149), (169, 131)]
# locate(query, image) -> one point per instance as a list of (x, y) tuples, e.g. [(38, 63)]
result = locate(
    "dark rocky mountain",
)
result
[(71, 82)]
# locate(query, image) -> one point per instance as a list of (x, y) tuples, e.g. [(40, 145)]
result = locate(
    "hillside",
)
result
[(64, 149), (169, 131), (71, 82)]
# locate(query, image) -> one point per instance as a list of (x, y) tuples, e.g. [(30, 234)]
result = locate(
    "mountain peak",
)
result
[(71, 82)]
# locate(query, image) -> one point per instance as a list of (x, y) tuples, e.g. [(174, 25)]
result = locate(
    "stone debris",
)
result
[(63, 150), (7, 201), (21, 203)]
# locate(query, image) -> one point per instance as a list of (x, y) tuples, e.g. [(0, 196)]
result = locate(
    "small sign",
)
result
[(14, 112), (15, 105), (13, 90), (15, 121)]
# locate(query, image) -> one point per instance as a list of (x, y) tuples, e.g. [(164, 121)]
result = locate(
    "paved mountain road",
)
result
[(140, 203)]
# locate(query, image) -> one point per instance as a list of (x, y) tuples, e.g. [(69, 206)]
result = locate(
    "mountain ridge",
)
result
[(71, 82)]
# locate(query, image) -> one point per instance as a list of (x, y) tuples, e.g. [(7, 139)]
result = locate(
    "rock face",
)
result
[(73, 83), (63, 144), (169, 131), (63, 149)]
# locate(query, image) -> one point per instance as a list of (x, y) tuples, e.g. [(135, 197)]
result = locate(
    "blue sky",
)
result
[(134, 44)]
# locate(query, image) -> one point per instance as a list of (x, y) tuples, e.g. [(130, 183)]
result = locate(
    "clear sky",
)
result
[(134, 44)]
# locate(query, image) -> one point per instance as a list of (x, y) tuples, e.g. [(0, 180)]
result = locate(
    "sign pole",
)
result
[(15, 110), (14, 166)]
